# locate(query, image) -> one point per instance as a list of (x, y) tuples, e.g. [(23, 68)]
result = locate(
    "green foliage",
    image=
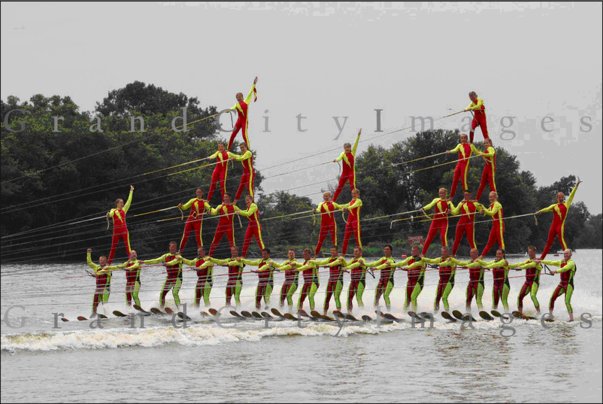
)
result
[(50, 177)]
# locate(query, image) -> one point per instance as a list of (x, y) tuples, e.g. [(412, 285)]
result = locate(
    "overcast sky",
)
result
[(528, 61)]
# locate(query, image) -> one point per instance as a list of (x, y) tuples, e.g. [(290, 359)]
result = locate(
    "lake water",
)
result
[(253, 361)]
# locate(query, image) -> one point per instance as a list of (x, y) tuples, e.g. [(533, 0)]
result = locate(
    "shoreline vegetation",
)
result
[(47, 180)]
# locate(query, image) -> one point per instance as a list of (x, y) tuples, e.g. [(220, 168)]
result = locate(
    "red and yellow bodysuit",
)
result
[(497, 232), (439, 222), (248, 176), (120, 228), (353, 224), (328, 225), (462, 166), (218, 176), (557, 228), (225, 226), (242, 108), (254, 228), (479, 118), (466, 223), (489, 172), (348, 170), (194, 220)]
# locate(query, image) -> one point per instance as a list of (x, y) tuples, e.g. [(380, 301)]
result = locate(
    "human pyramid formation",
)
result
[(414, 265)]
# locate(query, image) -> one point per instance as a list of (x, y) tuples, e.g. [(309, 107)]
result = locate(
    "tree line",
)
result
[(49, 179)]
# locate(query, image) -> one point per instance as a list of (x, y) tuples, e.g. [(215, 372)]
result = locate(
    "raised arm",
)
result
[(355, 147), (570, 199), (129, 201), (250, 93)]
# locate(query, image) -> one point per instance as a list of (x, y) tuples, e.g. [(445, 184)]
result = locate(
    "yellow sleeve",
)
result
[(474, 149), (250, 94), (551, 262), (249, 212), (462, 263), (91, 264), (456, 149), (549, 208), (493, 211), (340, 157), (128, 202), (526, 265), (490, 152), (322, 262), (156, 260), (214, 211), (456, 210), (568, 266), (431, 204), (477, 106), (570, 199), (234, 156), (357, 204), (357, 264), (112, 212), (416, 264), (215, 155), (355, 147), (403, 262), (217, 261), (253, 263), (188, 204), (495, 264), (377, 262), (337, 206), (188, 262), (318, 208), (433, 260)]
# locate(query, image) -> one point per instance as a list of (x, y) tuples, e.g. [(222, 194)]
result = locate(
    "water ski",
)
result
[(414, 315), (469, 317), (169, 310), (290, 316), (102, 316), (366, 318), (82, 318), (266, 316), (118, 313), (246, 314), (485, 315), (389, 317), (237, 315), (277, 313), (338, 314), (457, 314), (350, 317), (447, 316), (183, 316), (214, 312), (140, 309), (156, 311), (317, 315), (257, 315), (496, 313)]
